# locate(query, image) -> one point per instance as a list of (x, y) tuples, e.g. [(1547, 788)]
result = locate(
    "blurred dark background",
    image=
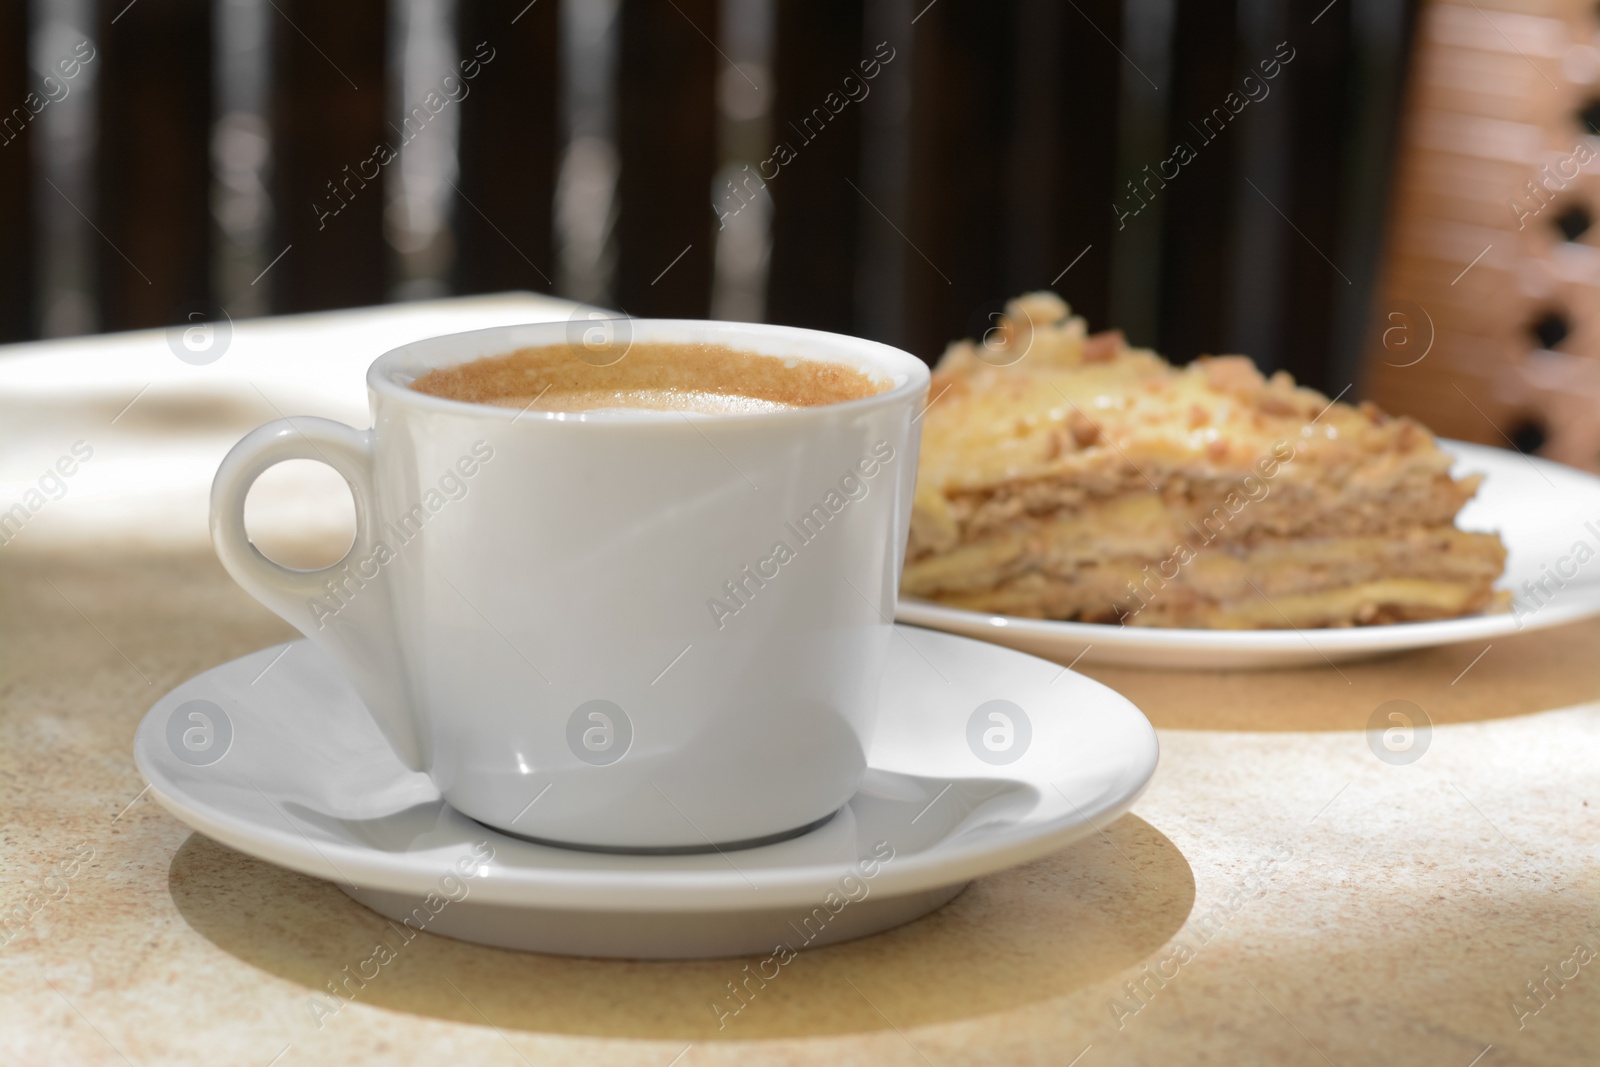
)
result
[(273, 156)]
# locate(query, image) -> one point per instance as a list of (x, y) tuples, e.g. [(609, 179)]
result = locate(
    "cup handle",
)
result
[(344, 611)]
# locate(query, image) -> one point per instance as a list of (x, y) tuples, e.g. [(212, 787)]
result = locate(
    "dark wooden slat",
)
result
[(883, 256), (1036, 154), (961, 120), (1378, 53), (1065, 157), (327, 125), (1198, 224), (153, 170), (17, 236), (812, 273), (509, 137), (1317, 141), (666, 136)]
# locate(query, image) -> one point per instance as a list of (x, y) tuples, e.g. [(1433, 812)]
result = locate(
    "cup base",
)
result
[(669, 850)]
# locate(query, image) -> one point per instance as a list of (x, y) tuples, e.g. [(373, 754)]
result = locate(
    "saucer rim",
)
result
[(621, 889)]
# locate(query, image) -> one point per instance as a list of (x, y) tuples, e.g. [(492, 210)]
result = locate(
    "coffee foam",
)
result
[(651, 376)]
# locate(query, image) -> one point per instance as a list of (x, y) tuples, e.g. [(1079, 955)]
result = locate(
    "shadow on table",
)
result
[(1024, 935), (1518, 675)]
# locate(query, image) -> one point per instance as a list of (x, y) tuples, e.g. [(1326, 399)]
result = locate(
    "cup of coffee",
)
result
[(619, 584)]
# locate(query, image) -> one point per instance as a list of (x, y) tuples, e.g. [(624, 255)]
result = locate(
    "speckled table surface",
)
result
[(1280, 895)]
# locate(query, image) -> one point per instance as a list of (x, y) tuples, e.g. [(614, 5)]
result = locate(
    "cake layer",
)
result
[(1364, 604), (1189, 508), (1422, 574)]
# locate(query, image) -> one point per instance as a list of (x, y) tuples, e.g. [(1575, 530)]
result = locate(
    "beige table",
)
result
[(1279, 896)]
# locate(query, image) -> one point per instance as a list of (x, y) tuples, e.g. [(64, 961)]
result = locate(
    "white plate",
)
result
[(1539, 509), (287, 766)]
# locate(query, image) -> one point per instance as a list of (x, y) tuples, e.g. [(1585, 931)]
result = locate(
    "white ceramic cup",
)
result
[(622, 629)]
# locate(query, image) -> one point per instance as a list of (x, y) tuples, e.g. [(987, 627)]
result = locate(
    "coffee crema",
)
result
[(651, 376)]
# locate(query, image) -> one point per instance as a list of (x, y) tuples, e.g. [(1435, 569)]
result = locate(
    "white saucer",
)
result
[(304, 780), (1539, 509)]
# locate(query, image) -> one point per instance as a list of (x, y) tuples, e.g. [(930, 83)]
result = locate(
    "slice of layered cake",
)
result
[(1068, 476)]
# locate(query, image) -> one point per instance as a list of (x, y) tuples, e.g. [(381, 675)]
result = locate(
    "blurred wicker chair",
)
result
[(1487, 319)]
